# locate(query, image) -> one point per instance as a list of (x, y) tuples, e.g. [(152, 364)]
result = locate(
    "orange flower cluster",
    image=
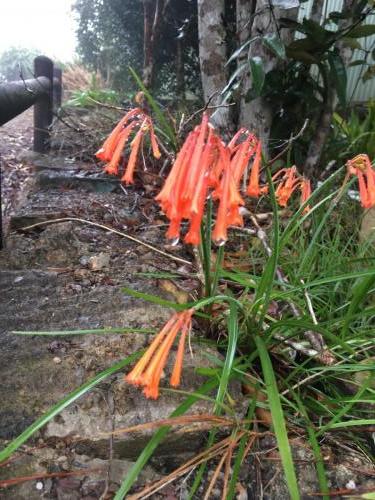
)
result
[(112, 149), (289, 182), (203, 163), (148, 371), (361, 166)]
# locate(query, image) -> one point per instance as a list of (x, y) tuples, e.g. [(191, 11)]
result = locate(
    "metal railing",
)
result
[(44, 92)]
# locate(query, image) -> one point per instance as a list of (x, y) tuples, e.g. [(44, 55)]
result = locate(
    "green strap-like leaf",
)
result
[(278, 420), (362, 31), (273, 42), (338, 75), (257, 74)]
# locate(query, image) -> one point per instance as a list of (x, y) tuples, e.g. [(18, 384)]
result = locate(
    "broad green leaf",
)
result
[(274, 43), (257, 74), (351, 42), (362, 31), (338, 75)]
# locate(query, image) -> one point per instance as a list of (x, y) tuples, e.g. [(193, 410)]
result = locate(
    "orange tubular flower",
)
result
[(287, 185), (106, 151), (361, 166), (253, 188), (305, 192), (148, 371), (111, 151), (185, 191), (128, 177), (112, 167), (205, 163), (230, 200)]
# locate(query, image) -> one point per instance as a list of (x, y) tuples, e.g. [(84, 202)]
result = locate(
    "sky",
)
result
[(45, 25)]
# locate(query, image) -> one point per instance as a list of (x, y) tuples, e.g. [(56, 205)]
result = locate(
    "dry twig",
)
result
[(106, 228)]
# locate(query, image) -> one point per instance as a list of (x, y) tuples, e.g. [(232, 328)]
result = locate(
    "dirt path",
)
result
[(16, 138)]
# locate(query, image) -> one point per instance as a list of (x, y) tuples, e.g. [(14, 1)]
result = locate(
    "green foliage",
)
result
[(310, 66), (91, 97), (110, 39), (16, 63), (353, 135)]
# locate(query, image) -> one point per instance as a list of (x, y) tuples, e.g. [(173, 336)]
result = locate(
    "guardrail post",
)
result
[(1, 215), (43, 108), (57, 88)]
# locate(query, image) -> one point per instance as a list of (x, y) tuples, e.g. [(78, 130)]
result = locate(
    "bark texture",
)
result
[(257, 113), (244, 21), (213, 56), (153, 11)]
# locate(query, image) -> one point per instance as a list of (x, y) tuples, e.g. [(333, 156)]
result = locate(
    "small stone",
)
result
[(39, 485), (84, 260), (81, 274), (57, 360), (97, 262), (350, 485)]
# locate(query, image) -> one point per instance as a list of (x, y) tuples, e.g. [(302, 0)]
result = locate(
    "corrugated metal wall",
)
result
[(357, 91)]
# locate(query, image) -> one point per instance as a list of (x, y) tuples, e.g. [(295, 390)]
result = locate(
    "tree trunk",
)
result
[(213, 57), (148, 66), (153, 13), (244, 21), (256, 114), (180, 73)]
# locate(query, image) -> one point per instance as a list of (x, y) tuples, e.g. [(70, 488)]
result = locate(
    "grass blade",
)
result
[(155, 299), (278, 419), (360, 291), (264, 289)]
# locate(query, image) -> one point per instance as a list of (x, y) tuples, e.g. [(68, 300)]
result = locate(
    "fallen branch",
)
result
[(5, 483), (106, 228)]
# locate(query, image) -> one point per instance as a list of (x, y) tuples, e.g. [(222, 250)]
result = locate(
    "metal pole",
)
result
[(57, 88), (43, 108), (1, 214)]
